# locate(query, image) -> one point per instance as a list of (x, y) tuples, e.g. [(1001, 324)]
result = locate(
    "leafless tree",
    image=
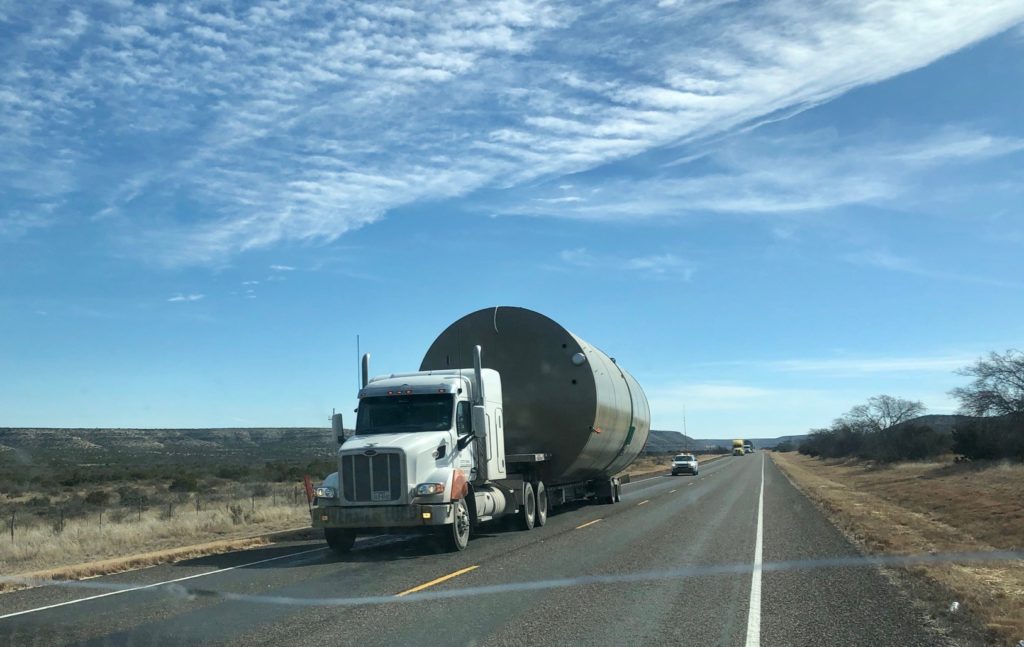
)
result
[(881, 412), (998, 386)]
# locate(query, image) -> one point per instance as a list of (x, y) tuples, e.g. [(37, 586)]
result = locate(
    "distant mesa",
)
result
[(155, 445)]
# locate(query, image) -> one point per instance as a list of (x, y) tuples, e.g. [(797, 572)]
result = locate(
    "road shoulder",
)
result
[(984, 613)]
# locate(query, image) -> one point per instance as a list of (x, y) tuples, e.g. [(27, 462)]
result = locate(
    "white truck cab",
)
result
[(428, 451)]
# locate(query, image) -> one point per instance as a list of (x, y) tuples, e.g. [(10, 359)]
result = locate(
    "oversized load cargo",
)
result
[(562, 396)]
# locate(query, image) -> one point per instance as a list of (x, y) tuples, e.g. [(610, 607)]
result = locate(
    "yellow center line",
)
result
[(443, 578), (643, 502), (589, 523)]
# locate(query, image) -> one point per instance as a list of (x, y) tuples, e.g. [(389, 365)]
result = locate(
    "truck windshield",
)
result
[(397, 414), (680, 459)]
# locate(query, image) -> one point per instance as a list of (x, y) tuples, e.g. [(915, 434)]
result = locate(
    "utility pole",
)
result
[(685, 435)]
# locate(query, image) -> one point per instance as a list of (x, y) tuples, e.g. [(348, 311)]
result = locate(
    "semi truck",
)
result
[(509, 416), (737, 447)]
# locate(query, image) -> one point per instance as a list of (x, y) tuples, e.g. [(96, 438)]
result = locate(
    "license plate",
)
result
[(381, 495)]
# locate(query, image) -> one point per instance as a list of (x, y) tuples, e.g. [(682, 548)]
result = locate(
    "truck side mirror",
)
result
[(338, 427), (480, 421)]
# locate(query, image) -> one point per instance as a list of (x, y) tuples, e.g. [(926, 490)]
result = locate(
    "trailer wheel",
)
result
[(340, 540), (542, 504), (618, 493), (528, 511), (456, 536)]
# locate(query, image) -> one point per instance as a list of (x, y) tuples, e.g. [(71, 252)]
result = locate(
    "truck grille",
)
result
[(371, 479)]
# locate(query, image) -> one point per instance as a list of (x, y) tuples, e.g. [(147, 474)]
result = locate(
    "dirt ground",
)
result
[(921, 508)]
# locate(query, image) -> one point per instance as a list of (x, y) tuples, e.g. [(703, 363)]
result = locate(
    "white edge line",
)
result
[(754, 609), (155, 584)]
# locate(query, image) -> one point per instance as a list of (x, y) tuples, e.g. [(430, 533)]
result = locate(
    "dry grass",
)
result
[(914, 508), (141, 560), (38, 547)]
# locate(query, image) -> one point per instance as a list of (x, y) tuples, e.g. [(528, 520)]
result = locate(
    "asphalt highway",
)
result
[(676, 562)]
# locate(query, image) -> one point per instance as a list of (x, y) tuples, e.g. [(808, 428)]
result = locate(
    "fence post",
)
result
[(197, 505), (101, 519), (13, 513), (62, 519), (254, 503)]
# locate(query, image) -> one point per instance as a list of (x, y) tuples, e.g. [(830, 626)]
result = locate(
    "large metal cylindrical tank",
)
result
[(561, 395)]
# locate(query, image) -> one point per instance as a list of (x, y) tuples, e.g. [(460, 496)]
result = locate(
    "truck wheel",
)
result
[(617, 496), (456, 536), (542, 504), (528, 511), (340, 540)]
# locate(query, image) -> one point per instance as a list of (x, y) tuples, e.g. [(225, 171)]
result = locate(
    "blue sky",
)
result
[(767, 212)]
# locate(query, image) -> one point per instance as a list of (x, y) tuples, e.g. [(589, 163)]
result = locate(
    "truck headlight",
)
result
[(427, 489), (326, 493)]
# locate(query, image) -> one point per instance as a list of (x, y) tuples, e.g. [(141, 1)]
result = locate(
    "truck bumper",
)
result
[(382, 516)]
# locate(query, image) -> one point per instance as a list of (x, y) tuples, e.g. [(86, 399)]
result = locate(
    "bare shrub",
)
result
[(98, 498)]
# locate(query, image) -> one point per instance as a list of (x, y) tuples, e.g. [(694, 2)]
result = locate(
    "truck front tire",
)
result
[(340, 540), (455, 537), (528, 511)]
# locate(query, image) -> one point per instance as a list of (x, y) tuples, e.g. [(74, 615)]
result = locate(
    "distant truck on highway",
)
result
[(738, 447), (509, 415), (748, 447)]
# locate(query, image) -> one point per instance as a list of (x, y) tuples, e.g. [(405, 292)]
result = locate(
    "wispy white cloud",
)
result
[(883, 259), (17, 222), (657, 265), (846, 365), (750, 408), (186, 297), (250, 282), (957, 145), (282, 268), (760, 175), (874, 365), (579, 257), (661, 264), (299, 120), (723, 396)]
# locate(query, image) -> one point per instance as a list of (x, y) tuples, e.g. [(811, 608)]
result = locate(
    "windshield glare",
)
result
[(410, 413)]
